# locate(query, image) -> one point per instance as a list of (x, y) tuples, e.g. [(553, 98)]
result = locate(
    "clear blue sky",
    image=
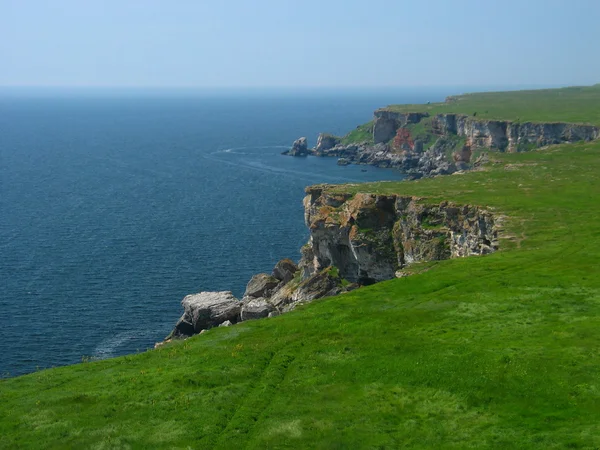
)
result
[(279, 43)]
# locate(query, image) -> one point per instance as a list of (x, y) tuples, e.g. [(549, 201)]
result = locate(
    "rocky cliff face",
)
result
[(490, 134), (354, 240), (511, 136), (395, 147), (386, 123), (369, 237), (299, 148), (326, 141)]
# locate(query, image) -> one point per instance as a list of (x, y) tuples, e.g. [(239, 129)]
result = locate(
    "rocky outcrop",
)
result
[(326, 141), (323, 283), (520, 135), (355, 239), (369, 237), (256, 308), (285, 270), (299, 148), (393, 146), (261, 285), (206, 310), (508, 135), (490, 134), (416, 163), (387, 122), (265, 296)]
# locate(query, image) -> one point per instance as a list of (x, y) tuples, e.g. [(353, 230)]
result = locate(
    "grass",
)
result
[(572, 105), (500, 351), (361, 134)]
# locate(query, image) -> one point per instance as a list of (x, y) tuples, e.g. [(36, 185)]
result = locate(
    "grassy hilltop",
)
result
[(500, 351), (572, 105)]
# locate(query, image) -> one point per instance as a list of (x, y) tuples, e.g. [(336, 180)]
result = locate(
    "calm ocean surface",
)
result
[(114, 206)]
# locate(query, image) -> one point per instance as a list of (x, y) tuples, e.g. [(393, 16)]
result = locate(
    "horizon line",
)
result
[(170, 87)]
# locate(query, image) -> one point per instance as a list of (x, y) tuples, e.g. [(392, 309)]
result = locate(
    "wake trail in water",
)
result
[(261, 167), (239, 150)]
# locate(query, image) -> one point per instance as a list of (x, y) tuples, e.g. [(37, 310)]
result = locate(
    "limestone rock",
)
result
[(256, 308), (511, 136), (322, 284), (299, 148), (261, 285), (368, 238), (285, 270), (386, 123), (326, 141), (464, 155), (227, 323), (417, 160), (206, 310), (183, 327)]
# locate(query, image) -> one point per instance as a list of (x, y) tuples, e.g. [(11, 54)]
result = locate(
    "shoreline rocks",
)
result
[(265, 296), (392, 145), (261, 285), (206, 310), (256, 308), (299, 148), (355, 240)]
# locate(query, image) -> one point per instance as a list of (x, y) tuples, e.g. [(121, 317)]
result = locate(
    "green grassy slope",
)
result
[(501, 351), (573, 105), (362, 133)]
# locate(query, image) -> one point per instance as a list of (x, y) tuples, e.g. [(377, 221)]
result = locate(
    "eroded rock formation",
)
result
[(393, 145), (511, 136), (386, 123), (261, 285), (369, 237), (206, 310), (355, 239), (299, 148), (326, 141)]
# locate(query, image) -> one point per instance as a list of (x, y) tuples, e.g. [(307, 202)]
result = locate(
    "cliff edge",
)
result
[(440, 139), (355, 240)]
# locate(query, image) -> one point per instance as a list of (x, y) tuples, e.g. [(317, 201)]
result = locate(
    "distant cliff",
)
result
[(491, 134), (421, 144)]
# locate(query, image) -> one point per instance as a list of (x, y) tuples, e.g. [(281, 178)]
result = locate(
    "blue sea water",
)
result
[(115, 205)]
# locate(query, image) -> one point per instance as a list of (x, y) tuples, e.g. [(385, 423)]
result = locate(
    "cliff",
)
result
[(491, 134), (369, 237), (355, 240), (426, 142)]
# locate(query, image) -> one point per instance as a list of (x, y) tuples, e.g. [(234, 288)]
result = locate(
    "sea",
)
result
[(116, 203)]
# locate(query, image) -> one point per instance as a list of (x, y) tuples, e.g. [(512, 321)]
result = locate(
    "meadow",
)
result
[(498, 351), (572, 105)]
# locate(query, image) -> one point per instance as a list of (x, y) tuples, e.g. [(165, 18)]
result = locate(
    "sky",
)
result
[(303, 43)]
